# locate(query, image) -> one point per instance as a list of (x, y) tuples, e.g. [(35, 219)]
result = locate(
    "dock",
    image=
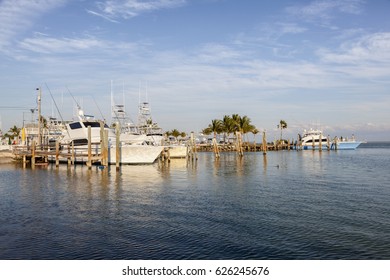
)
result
[(41, 155)]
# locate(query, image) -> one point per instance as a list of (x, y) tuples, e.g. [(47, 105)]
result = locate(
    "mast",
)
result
[(112, 104), (39, 116)]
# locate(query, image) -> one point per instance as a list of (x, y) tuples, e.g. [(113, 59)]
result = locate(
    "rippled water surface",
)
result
[(286, 205)]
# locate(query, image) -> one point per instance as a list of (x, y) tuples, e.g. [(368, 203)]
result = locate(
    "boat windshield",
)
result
[(92, 124)]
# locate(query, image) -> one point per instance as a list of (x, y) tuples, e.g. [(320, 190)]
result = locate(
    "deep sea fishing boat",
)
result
[(76, 133), (314, 139)]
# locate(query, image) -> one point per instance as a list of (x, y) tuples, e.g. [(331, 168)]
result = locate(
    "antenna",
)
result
[(123, 94), (100, 111), (56, 106), (146, 87), (74, 99), (139, 93), (112, 100)]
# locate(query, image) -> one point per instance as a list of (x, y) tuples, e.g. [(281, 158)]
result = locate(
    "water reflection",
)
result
[(256, 206)]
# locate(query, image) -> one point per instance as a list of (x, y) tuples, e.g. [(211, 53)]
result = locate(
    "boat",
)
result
[(76, 135), (314, 139), (147, 127), (146, 131)]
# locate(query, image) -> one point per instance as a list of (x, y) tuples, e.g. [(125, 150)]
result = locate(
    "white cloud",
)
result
[(324, 10), (373, 48), (115, 9), (291, 28), (217, 53), (19, 15), (57, 46)]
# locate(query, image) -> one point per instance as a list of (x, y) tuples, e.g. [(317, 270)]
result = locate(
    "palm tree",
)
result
[(175, 133), (245, 125), (12, 133), (207, 131), (236, 122), (228, 125), (15, 131), (282, 125), (216, 127)]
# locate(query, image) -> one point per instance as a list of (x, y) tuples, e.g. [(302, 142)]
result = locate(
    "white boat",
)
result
[(147, 127), (313, 139), (146, 131), (76, 133), (135, 154)]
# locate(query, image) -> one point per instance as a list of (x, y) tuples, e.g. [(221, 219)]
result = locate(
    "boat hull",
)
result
[(177, 151), (135, 154), (345, 145)]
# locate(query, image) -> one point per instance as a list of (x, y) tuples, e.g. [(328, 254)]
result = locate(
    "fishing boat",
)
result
[(77, 135), (314, 139), (146, 131)]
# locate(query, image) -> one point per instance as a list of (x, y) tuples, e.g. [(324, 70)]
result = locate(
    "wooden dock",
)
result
[(41, 155)]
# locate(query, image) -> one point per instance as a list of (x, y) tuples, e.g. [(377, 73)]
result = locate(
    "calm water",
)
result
[(287, 205)]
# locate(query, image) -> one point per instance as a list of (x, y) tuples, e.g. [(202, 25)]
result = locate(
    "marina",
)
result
[(88, 140), (282, 205)]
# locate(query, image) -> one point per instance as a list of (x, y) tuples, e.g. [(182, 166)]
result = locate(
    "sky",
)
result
[(315, 64)]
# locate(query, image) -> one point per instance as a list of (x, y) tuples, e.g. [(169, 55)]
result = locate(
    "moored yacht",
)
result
[(313, 139), (76, 133)]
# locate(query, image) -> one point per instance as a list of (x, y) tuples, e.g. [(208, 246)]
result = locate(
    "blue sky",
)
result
[(322, 63)]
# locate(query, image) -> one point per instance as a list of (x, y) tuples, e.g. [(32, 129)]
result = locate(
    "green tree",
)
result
[(175, 133), (282, 125), (14, 132), (207, 131), (228, 126), (236, 122), (216, 127)]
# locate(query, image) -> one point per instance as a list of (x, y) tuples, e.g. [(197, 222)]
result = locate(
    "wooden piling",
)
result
[(117, 146), (264, 144), (239, 149), (215, 148), (299, 143), (313, 143), (320, 143), (57, 153), (33, 154), (194, 145), (89, 161), (102, 142), (105, 153)]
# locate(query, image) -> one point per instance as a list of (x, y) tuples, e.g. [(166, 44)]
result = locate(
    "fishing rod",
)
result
[(55, 103)]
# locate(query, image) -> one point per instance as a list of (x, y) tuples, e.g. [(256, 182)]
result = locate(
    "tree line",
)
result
[(235, 123), (230, 125)]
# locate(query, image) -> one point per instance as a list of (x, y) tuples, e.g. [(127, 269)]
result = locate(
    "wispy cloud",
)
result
[(217, 53), (325, 9), (49, 45), (290, 28), (116, 9), (373, 48), (19, 15)]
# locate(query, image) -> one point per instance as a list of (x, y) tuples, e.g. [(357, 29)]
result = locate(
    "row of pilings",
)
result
[(240, 146)]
